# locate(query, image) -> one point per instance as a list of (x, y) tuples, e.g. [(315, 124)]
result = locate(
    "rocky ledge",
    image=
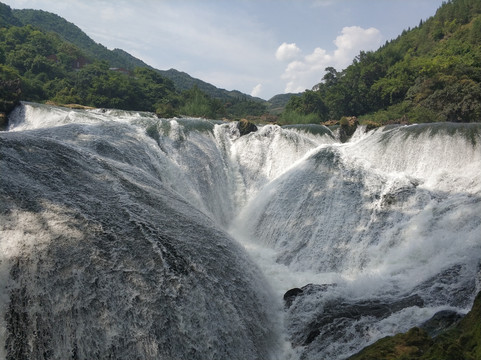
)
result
[(337, 312), (245, 127), (460, 339), (447, 335)]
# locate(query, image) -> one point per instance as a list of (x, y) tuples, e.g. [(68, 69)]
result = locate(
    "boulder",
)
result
[(339, 309), (308, 289), (245, 127), (291, 295), (347, 128)]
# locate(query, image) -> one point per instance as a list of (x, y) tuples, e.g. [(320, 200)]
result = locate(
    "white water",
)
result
[(392, 213)]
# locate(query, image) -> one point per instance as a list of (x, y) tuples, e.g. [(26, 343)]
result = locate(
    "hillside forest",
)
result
[(427, 74), (41, 65)]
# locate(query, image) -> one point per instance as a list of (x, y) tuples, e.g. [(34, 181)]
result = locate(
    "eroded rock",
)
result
[(245, 127)]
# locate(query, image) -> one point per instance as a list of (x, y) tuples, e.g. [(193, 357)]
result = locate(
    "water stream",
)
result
[(132, 237)]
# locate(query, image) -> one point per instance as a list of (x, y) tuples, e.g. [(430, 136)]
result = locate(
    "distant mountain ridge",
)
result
[(184, 81), (7, 17), (68, 31), (277, 103)]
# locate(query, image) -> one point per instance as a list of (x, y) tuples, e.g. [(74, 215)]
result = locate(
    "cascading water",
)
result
[(118, 235), (103, 254), (386, 228)]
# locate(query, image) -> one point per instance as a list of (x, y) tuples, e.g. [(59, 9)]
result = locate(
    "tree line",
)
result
[(429, 73)]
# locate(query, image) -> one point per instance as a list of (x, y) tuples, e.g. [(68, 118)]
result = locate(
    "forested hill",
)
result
[(184, 81), (429, 73), (45, 58), (116, 58), (67, 31)]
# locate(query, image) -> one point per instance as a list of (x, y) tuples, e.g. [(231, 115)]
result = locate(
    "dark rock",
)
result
[(347, 128), (308, 289), (460, 340), (338, 311), (441, 321), (290, 296), (245, 127), (399, 195), (312, 336)]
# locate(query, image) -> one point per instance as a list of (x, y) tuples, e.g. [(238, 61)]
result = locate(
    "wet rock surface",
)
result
[(459, 340), (245, 127), (441, 321), (333, 315), (309, 289)]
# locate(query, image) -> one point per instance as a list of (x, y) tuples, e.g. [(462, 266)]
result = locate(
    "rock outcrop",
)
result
[(245, 127), (440, 322), (309, 289), (332, 317), (461, 341), (345, 310), (348, 126)]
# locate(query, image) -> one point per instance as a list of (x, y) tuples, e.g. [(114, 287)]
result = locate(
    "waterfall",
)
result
[(129, 236)]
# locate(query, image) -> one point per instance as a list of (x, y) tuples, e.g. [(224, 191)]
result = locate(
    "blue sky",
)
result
[(260, 47)]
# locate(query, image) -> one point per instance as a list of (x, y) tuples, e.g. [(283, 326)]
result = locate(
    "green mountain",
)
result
[(117, 57), (184, 81), (43, 57), (429, 73), (277, 103), (67, 31), (7, 17)]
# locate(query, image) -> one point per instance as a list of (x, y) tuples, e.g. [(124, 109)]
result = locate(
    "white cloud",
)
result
[(354, 39), (287, 52), (256, 90), (303, 73)]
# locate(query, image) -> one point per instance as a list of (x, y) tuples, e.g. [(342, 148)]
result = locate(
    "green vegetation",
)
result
[(277, 103), (462, 342), (48, 68), (43, 57), (49, 22), (294, 117), (184, 81), (429, 73), (306, 109), (198, 104)]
